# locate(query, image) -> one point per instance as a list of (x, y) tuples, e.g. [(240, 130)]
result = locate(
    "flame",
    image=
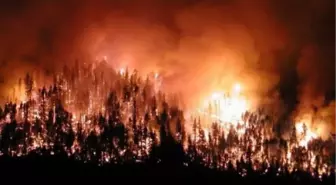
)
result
[(225, 107), (228, 108), (237, 88), (156, 75), (122, 71), (304, 136)]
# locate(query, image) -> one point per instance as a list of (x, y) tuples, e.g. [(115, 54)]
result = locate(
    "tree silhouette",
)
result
[(293, 138), (123, 120), (28, 86)]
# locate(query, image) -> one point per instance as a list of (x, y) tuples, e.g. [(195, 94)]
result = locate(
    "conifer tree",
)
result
[(304, 127), (28, 86), (293, 137), (194, 129)]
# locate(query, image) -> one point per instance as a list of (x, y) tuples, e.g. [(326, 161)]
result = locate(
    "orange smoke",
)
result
[(196, 47), (202, 47), (197, 42)]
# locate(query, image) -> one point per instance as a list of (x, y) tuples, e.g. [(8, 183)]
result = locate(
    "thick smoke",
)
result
[(316, 69), (196, 46)]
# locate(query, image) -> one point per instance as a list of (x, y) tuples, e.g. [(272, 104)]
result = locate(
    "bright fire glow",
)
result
[(122, 71), (304, 136), (237, 88), (222, 120), (227, 107)]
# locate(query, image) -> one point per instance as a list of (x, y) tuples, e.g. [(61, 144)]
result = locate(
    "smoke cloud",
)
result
[(316, 69), (197, 46)]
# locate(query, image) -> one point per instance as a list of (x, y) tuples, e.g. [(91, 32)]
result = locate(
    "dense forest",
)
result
[(93, 114)]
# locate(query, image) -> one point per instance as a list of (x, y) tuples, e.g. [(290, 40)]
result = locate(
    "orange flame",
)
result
[(228, 107)]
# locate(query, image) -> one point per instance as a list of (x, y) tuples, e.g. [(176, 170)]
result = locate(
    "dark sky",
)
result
[(286, 46)]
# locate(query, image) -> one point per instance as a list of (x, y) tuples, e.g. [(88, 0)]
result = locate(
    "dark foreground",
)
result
[(50, 169)]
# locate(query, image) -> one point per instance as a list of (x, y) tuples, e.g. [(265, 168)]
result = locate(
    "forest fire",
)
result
[(227, 107), (124, 118), (242, 87), (305, 134)]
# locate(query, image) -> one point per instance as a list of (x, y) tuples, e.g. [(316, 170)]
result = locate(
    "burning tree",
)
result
[(125, 120)]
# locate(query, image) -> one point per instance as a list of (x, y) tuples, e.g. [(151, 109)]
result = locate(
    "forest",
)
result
[(94, 115)]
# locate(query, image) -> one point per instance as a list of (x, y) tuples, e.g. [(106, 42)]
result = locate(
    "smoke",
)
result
[(316, 71), (196, 46), (315, 109)]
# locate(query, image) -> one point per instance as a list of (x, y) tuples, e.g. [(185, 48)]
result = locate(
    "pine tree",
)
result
[(232, 137), (190, 149), (222, 142), (293, 138), (43, 104), (28, 86), (194, 129), (202, 142), (304, 126), (215, 133), (2, 115)]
